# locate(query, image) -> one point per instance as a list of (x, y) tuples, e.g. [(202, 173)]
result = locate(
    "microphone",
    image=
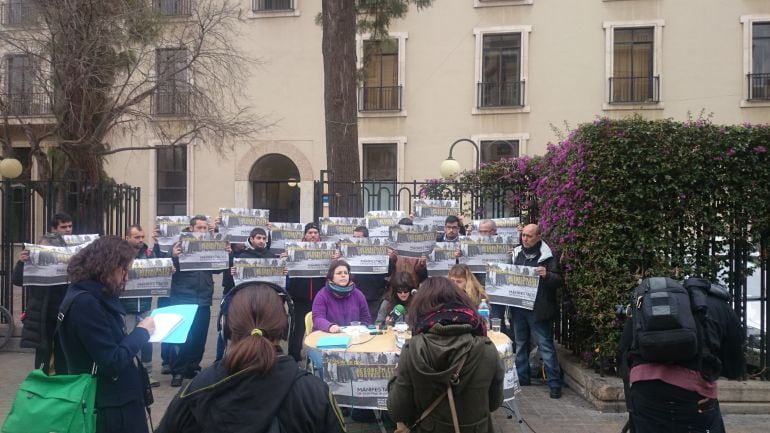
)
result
[(414, 292), (398, 311)]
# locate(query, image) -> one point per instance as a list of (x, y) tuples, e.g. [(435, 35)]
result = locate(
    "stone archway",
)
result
[(275, 186)]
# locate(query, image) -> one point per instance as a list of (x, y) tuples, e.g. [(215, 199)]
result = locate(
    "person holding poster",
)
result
[(416, 266), (39, 318), (191, 287), (303, 291), (538, 321), (339, 302), (371, 285)]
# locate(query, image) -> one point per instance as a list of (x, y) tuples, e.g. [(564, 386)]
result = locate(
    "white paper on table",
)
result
[(165, 323)]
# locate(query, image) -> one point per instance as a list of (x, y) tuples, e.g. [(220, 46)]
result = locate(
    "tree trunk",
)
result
[(340, 110)]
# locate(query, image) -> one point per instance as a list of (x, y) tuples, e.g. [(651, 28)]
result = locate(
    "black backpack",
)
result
[(671, 325)]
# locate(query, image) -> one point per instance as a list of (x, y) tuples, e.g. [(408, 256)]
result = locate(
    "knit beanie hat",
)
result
[(310, 225)]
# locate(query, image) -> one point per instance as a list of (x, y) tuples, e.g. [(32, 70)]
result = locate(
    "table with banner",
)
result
[(358, 376)]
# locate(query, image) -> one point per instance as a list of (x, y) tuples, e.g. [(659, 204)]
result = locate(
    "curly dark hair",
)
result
[(399, 280), (99, 260)]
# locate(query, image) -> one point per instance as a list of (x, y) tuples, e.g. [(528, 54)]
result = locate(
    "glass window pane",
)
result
[(761, 30), (494, 150), (171, 180), (380, 161)]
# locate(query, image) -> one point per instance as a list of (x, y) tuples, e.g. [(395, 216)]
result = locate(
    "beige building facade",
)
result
[(504, 73)]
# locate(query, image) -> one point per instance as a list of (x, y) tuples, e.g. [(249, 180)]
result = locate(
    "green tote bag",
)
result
[(48, 404)]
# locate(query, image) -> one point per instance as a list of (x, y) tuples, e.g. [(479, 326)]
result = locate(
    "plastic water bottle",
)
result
[(484, 311)]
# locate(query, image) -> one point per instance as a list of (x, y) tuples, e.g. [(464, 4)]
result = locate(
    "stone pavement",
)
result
[(570, 414)]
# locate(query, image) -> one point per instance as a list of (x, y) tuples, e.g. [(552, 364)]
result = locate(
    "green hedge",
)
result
[(627, 199)]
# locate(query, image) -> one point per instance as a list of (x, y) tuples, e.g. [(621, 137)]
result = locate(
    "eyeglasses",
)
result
[(403, 290)]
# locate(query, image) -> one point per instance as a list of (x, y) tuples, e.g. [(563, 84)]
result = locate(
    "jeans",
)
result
[(524, 324), (191, 352), (658, 407)]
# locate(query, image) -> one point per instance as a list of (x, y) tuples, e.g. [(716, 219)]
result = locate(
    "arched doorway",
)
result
[(275, 185)]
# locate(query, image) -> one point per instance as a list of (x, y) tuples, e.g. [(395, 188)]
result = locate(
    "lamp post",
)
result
[(10, 168), (450, 166)]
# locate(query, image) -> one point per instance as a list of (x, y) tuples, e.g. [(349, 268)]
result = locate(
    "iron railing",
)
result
[(173, 103), (17, 13), (26, 104), (272, 5), (172, 8), (645, 90), (759, 87), (27, 206), (507, 94), (379, 98)]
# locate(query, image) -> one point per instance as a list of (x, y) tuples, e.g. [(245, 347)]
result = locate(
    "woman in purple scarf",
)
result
[(339, 302)]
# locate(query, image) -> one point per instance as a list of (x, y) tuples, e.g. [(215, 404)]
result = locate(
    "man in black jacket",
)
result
[(538, 321), (39, 318), (682, 397)]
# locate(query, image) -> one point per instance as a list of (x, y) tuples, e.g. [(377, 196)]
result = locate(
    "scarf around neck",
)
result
[(451, 314)]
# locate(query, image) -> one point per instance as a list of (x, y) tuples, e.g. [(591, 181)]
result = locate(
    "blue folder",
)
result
[(333, 342), (179, 335)]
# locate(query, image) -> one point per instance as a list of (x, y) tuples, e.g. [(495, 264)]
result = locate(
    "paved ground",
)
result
[(570, 414)]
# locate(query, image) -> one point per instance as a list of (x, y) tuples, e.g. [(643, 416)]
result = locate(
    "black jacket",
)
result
[(239, 403), (249, 253), (39, 321), (93, 332), (546, 305)]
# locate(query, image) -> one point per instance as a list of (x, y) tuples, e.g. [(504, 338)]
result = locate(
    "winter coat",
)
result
[(249, 253), (425, 367), (216, 402), (93, 332), (39, 320), (546, 306), (329, 310), (192, 287), (304, 290)]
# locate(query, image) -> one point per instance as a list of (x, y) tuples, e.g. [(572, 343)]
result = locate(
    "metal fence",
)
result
[(27, 207)]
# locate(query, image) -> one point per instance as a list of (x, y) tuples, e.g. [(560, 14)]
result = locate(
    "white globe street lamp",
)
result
[(10, 168), (450, 167)]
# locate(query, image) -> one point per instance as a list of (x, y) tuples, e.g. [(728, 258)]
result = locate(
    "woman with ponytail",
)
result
[(255, 387)]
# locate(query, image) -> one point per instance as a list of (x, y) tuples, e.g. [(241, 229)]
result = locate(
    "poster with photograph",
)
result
[(265, 270), (512, 285), (365, 255), (511, 385), (72, 240), (309, 259), (412, 241), (336, 228), (280, 233), (237, 223), (379, 222), (442, 258), (149, 277), (203, 251), (434, 212), (169, 228), (505, 226), (47, 265), (359, 378), (480, 250)]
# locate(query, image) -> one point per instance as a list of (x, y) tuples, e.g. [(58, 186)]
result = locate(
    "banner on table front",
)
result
[(505, 226), (280, 233), (336, 228), (47, 265), (149, 277), (512, 285), (365, 255), (203, 251), (359, 379), (412, 241), (265, 270), (434, 212), (379, 221), (169, 228), (72, 240), (480, 250), (309, 259), (237, 223), (442, 258)]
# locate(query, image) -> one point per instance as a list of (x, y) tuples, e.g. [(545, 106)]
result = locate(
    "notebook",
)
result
[(177, 333), (333, 342)]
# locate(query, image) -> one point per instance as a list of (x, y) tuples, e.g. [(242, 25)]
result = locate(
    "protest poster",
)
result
[(265, 270), (434, 212), (442, 258), (203, 251), (359, 378), (480, 250), (379, 221), (365, 255), (505, 226), (512, 285), (280, 233), (511, 385), (47, 265), (72, 240), (237, 223), (309, 259), (149, 277), (169, 228), (336, 228), (412, 241)]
